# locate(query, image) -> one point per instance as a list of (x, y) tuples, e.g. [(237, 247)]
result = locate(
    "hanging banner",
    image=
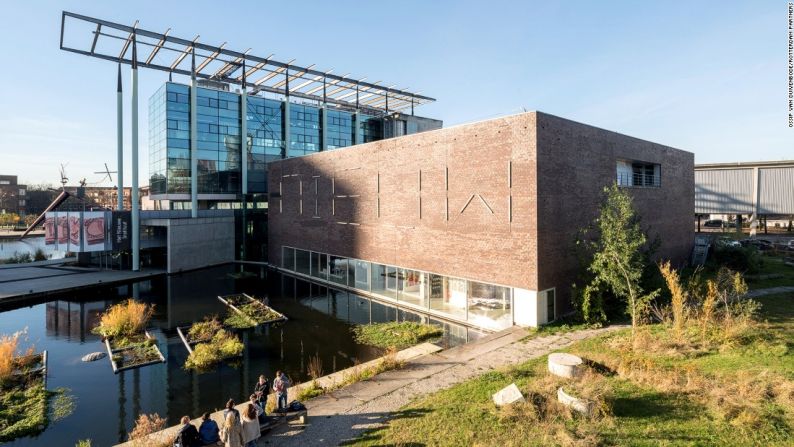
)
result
[(75, 231), (62, 230), (120, 230), (49, 229), (94, 231)]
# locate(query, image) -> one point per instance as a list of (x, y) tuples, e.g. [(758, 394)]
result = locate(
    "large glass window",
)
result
[(338, 270), (378, 281), (360, 274), (304, 122), (288, 258), (447, 295), (302, 259), (319, 267), (489, 305), (412, 287)]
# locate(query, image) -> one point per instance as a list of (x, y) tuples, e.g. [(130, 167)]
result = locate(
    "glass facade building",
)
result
[(276, 129), (479, 304)]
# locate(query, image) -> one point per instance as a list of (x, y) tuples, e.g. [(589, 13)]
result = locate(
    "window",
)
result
[(288, 258), (550, 315), (302, 261), (638, 174)]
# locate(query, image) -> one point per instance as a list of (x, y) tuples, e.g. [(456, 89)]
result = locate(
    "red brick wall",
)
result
[(437, 201), (575, 163), (517, 190)]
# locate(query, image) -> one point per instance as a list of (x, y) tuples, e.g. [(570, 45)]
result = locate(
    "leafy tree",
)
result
[(619, 257)]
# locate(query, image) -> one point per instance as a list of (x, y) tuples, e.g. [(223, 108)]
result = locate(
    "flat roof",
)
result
[(746, 164), (119, 43)]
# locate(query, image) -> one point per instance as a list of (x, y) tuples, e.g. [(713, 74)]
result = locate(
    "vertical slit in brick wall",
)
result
[(333, 196), (419, 202)]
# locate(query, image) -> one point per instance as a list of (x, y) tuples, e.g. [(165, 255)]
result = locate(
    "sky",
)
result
[(709, 77)]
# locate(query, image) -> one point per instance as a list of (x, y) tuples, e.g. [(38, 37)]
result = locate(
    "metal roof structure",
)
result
[(765, 187), (161, 51)]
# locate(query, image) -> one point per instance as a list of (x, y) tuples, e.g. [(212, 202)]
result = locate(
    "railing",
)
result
[(638, 180)]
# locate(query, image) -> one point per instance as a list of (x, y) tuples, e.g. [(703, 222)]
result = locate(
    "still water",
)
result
[(11, 247), (320, 322)]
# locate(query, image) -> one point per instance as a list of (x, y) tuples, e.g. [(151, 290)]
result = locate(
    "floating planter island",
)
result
[(24, 399), (250, 310), (125, 353)]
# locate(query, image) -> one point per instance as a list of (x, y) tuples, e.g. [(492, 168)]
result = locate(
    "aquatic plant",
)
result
[(126, 319), (10, 354), (223, 345), (395, 334), (204, 330)]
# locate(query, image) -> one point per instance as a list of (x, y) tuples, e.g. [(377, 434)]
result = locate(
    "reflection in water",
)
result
[(320, 322)]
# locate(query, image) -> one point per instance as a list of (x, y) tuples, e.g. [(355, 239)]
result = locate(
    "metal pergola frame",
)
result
[(258, 74)]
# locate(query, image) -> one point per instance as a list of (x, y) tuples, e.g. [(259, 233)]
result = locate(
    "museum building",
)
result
[(473, 223)]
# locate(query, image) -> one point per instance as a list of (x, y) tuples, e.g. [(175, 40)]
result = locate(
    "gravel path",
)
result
[(345, 414)]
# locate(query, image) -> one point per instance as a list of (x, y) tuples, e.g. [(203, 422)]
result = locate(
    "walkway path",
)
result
[(25, 282), (345, 414), (770, 291)]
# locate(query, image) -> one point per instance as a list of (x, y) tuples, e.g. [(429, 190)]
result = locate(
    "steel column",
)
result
[(193, 138), (135, 206), (120, 142), (244, 135)]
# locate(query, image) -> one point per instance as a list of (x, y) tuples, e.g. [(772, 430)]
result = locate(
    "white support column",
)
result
[(193, 139), (244, 135), (120, 142), (756, 191), (136, 218)]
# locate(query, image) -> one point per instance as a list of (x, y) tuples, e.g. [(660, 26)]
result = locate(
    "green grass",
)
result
[(645, 409), (397, 335), (26, 411), (773, 265)]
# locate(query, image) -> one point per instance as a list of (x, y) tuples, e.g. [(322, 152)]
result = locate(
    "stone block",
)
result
[(508, 395), (565, 365)]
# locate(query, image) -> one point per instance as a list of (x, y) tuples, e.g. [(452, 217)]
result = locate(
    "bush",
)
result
[(395, 334), (9, 353), (39, 255), (743, 259), (204, 330), (125, 319), (145, 425), (222, 346)]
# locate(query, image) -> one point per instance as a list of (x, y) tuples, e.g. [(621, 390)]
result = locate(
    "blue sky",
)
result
[(705, 76)]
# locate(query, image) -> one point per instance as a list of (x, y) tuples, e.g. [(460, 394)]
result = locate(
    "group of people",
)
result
[(236, 430)]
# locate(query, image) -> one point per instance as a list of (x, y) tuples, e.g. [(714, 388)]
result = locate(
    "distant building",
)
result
[(276, 129), (93, 198), (13, 196)]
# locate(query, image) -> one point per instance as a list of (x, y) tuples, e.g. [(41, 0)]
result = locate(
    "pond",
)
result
[(11, 247), (320, 321)]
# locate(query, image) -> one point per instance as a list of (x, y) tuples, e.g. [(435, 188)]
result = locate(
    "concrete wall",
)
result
[(197, 243), (575, 163)]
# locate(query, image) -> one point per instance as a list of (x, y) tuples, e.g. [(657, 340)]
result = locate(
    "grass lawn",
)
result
[(397, 335), (740, 394), (773, 265)]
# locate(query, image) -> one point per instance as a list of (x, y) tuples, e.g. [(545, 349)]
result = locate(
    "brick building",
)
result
[(473, 223), (13, 196)]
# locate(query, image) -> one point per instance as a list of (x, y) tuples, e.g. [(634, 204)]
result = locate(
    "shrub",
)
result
[(146, 425), (315, 367), (678, 295), (223, 345), (204, 330), (395, 334), (312, 390), (125, 319), (743, 259), (9, 353), (39, 255)]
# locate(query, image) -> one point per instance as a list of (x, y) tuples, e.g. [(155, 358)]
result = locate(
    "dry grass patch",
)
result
[(125, 319)]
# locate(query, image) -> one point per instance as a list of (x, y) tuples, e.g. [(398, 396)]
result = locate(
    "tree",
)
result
[(618, 257)]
